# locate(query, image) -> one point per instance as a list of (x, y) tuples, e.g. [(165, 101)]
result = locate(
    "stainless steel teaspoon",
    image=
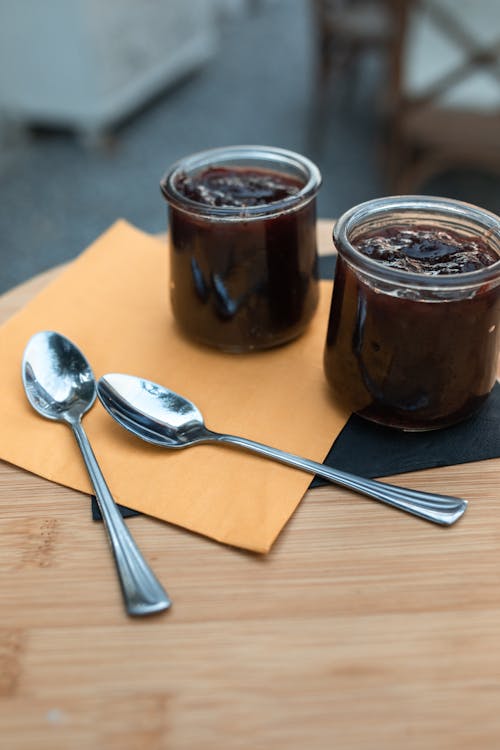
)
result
[(60, 385), (164, 418)]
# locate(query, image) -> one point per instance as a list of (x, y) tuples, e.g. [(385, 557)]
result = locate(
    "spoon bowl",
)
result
[(152, 412), (58, 380), (160, 416), (60, 385)]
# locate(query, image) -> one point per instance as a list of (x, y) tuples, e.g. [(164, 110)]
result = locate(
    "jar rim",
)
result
[(247, 153), (433, 207)]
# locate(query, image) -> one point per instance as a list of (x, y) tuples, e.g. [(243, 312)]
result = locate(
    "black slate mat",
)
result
[(374, 451)]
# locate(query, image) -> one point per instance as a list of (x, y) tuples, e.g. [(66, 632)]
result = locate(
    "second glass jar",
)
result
[(405, 349)]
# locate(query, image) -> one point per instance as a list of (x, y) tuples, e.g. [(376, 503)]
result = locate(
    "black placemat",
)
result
[(126, 512), (373, 451)]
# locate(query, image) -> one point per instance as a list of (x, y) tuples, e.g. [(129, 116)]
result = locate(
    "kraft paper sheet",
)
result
[(112, 301)]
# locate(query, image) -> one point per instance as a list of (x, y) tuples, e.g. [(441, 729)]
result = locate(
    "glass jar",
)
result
[(407, 349), (243, 278)]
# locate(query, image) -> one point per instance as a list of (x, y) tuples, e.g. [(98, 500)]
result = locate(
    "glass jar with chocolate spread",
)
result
[(413, 334), (243, 257)]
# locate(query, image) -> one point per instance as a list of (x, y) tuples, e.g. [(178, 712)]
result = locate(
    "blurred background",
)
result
[(97, 99)]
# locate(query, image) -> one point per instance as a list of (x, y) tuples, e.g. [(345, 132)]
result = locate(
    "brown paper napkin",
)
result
[(113, 303)]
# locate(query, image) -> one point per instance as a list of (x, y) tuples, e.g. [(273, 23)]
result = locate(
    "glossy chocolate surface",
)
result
[(240, 187), (425, 249)]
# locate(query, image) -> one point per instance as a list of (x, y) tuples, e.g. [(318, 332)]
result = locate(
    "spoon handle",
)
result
[(143, 594), (440, 509)]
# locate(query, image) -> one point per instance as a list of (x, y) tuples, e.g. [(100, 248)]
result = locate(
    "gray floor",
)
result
[(56, 196)]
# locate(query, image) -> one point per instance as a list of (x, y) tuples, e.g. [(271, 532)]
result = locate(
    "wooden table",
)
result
[(363, 628)]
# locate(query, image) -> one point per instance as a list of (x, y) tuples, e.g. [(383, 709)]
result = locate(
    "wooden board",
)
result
[(363, 628)]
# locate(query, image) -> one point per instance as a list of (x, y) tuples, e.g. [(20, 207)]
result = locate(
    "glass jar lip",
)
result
[(431, 205), (261, 155)]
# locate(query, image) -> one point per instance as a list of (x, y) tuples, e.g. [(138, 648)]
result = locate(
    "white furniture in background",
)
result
[(446, 92), (435, 50), (87, 64)]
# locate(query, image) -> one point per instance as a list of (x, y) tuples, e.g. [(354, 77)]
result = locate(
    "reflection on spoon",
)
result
[(162, 417), (60, 385)]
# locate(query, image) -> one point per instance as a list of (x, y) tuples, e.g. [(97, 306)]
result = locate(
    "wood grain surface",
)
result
[(363, 628)]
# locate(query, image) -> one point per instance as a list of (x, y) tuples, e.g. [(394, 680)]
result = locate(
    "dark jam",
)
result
[(426, 250), (242, 282), (410, 360), (220, 186)]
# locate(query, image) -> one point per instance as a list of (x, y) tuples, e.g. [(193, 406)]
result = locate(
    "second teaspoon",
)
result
[(161, 417)]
